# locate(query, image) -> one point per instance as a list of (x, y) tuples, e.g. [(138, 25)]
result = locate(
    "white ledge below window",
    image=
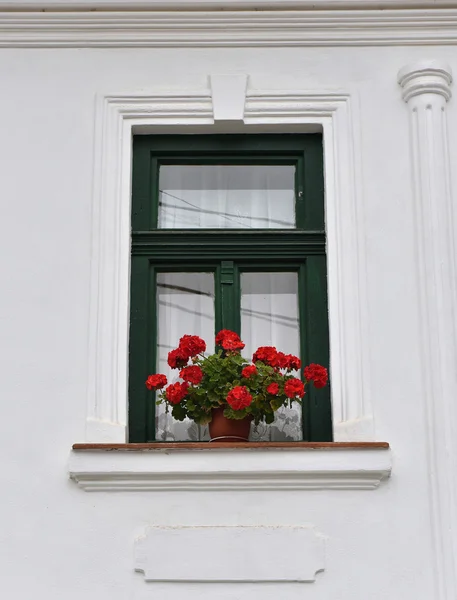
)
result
[(203, 467)]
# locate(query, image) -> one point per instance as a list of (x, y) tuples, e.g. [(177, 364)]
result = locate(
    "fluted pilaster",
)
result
[(426, 87)]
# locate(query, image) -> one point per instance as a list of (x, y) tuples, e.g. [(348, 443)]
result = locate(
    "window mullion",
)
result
[(229, 291)]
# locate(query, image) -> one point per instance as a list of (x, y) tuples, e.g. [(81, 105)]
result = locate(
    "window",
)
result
[(227, 232)]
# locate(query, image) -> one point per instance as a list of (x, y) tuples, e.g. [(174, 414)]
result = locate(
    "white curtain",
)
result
[(258, 197), (227, 197), (269, 317), (185, 305)]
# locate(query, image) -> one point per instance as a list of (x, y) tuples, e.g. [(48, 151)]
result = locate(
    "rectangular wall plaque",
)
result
[(224, 554)]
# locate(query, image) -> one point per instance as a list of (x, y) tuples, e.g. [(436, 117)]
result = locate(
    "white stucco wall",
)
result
[(58, 542)]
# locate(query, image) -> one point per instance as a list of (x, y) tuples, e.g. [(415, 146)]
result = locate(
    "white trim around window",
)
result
[(118, 117)]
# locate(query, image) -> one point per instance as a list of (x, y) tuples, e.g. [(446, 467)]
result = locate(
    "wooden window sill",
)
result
[(234, 446), (175, 467)]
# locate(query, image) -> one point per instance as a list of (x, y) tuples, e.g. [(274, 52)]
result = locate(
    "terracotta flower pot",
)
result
[(222, 429)]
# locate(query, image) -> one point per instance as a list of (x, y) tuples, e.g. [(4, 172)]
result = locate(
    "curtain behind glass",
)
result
[(185, 305), (226, 196), (269, 317)]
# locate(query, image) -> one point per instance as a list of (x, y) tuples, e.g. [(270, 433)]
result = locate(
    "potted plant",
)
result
[(226, 391)]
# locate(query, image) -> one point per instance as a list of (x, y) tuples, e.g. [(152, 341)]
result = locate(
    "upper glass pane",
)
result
[(226, 197)]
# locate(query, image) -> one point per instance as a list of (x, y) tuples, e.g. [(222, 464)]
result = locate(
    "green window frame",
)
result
[(227, 253)]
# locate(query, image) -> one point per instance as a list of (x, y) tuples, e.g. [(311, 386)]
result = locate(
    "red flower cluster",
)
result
[(317, 374), (229, 340), (279, 361), (273, 389), (192, 374), (156, 382), (249, 371), (177, 358), (176, 392), (265, 354), (294, 387), (270, 356), (210, 382), (189, 345), (293, 362), (221, 335), (192, 344), (239, 397)]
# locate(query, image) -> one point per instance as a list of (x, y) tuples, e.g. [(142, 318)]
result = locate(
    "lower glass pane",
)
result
[(185, 305), (269, 317)]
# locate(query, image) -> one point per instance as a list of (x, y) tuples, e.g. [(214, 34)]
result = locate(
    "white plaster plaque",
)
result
[(223, 554)]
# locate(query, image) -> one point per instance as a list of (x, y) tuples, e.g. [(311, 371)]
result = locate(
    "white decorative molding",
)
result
[(228, 93), (129, 5), (231, 470), (223, 28), (116, 118), (230, 554), (426, 77), (426, 88)]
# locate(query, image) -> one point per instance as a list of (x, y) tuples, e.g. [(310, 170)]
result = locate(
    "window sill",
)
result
[(239, 466)]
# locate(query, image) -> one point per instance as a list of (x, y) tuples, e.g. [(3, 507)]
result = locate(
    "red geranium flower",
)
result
[(249, 371), (294, 387), (192, 344), (221, 335), (239, 397), (273, 389), (279, 361), (176, 392), (317, 374), (232, 342), (192, 374), (229, 340), (155, 382), (293, 362), (265, 354), (178, 358)]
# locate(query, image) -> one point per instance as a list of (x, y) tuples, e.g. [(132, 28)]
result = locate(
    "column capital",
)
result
[(425, 77)]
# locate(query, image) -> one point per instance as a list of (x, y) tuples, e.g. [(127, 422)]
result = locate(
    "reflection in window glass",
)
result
[(269, 317), (227, 196), (185, 305)]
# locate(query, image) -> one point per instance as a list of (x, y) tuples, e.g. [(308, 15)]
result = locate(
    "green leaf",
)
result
[(179, 412), (203, 419), (269, 418), (229, 413), (276, 403)]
